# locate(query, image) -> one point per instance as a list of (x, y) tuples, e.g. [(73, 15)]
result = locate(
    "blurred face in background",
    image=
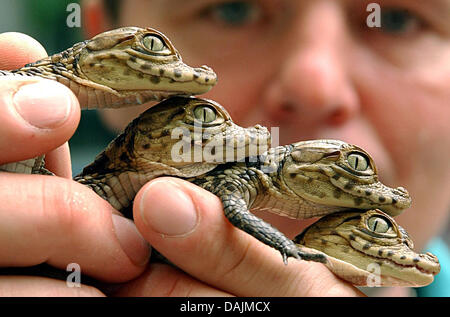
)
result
[(315, 69)]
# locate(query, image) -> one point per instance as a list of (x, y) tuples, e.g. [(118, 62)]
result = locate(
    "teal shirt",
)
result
[(441, 284)]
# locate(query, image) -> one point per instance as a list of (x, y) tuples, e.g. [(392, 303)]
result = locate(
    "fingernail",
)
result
[(131, 241), (167, 209), (43, 104)]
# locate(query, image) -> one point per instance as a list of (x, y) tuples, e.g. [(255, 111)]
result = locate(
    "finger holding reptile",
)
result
[(38, 115), (186, 224), (121, 246), (43, 213)]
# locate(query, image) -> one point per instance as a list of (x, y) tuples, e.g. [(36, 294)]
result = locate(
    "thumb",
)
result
[(37, 116)]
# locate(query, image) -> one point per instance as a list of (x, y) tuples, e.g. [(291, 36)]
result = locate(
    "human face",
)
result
[(316, 70)]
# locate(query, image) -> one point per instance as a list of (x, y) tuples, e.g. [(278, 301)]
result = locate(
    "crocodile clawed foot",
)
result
[(290, 252), (300, 254)]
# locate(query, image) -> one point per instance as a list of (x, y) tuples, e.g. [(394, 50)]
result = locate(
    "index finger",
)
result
[(18, 49)]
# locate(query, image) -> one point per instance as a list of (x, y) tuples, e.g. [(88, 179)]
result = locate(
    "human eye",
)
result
[(400, 21), (234, 13)]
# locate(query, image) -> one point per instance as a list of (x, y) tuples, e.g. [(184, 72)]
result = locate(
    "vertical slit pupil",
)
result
[(375, 225), (151, 44)]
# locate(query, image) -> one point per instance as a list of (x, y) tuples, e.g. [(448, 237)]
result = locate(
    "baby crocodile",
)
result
[(368, 249), (115, 69), (172, 138), (301, 180)]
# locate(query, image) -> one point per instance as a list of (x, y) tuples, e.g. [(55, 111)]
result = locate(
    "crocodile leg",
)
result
[(236, 210)]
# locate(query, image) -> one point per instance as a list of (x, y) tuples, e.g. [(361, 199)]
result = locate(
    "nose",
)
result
[(313, 87)]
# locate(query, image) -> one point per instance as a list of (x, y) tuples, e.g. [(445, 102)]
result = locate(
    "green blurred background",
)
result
[(45, 20)]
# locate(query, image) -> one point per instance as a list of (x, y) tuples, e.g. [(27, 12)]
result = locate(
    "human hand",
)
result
[(51, 219), (185, 223)]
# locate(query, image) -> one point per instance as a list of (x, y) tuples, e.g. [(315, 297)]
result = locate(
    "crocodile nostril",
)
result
[(403, 190)]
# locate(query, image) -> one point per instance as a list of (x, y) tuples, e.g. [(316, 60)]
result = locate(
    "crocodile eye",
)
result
[(378, 224), (205, 114), (154, 43), (358, 162)]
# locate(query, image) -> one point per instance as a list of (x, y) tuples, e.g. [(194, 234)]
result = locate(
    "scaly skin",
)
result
[(327, 173), (176, 138), (302, 180), (115, 69), (368, 249)]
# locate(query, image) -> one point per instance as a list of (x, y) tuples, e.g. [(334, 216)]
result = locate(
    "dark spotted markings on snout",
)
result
[(337, 193), (155, 79), (177, 73), (349, 186), (358, 201)]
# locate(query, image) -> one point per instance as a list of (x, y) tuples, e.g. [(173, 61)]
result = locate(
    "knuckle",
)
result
[(63, 201), (179, 286), (57, 203), (165, 281)]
